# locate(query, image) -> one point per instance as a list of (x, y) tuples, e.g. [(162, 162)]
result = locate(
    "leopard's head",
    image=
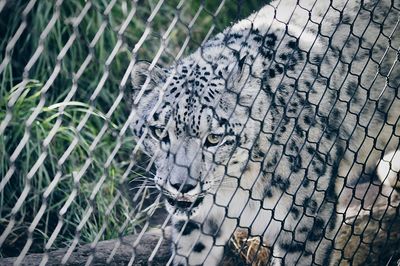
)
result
[(197, 122)]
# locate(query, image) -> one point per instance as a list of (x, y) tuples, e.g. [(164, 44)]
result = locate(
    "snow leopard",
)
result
[(265, 123)]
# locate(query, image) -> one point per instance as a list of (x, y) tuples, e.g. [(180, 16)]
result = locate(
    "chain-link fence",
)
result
[(199, 132)]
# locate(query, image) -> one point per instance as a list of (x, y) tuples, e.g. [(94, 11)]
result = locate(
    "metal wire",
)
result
[(364, 120)]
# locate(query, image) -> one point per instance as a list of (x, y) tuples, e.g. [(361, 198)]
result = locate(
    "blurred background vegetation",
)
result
[(195, 19)]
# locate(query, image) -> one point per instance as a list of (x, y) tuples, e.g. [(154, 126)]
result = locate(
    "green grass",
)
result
[(79, 106)]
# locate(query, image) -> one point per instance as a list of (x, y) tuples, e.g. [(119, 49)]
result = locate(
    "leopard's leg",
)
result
[(201, 240), (306, 238)]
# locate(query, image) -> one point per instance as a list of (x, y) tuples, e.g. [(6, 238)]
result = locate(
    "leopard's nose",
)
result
[(185, 188)]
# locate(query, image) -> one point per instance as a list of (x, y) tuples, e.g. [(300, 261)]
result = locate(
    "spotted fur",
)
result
[(263, 125)]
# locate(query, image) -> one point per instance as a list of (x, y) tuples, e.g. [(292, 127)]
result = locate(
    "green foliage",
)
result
[(83, 105)]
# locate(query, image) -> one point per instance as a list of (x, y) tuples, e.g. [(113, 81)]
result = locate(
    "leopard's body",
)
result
[(262, 126)]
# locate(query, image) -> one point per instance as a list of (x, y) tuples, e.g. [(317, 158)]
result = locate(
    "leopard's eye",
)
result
[(213, 140), (159, 133)]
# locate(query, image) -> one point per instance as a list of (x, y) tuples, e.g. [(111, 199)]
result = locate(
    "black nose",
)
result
[(183, 189)]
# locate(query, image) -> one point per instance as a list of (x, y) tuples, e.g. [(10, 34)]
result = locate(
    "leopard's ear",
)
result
[(145, 79), (242, 69), (241, 62)]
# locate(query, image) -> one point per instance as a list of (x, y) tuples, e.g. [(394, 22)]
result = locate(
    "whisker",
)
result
[(135, 179), (144, 183), (141, 167), (140, 174), (142, 186), (142, 179)]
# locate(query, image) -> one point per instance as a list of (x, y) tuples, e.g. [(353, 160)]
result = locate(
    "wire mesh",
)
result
[(232, 132)]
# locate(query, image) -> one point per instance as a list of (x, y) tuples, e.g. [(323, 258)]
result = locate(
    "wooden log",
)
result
[(101, 254)]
